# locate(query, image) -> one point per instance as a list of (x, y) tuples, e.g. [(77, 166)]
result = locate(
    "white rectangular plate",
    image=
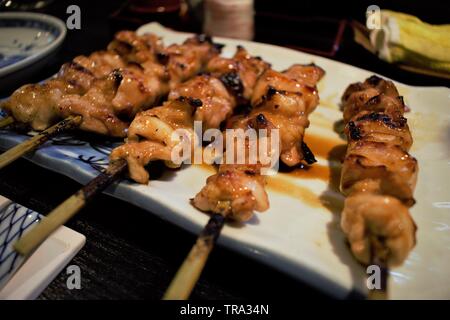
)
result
[(300, 233)]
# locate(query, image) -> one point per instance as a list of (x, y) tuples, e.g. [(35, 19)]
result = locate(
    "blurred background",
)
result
[(318, 27)]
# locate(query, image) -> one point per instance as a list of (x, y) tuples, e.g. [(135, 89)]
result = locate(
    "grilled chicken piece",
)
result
[(239, 74), (36, 104), (156, 126), (141, 87), (145, 84), (377, 167), (76, 75), (150, 137), (139, 154), (367, 216), (100, 63), (285, 103), (391, 106), (236, 191), (205, 98), (374, 82), (184, 61), (95, 108), (305, 74), (378, 174), (379, 127), (376, 95), (27, 103), (134, 48), (82, 71), (209, 97), (282, 101)]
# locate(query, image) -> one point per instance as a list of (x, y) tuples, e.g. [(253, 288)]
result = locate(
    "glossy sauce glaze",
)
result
[(331, 149), (326, 148)]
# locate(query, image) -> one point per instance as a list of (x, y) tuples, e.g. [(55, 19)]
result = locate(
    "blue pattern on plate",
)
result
[(89, 151), (34, 24), (8, 60), (22, 48), (81, 157), (14, 221)]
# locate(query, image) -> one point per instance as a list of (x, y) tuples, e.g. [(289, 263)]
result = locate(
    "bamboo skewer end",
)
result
[(6, 121), (34, 142), (187, 276), (66, 210), (380, 258)]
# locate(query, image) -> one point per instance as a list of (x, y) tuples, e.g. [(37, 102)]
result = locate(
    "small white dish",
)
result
[(27, 37), (22, 278)]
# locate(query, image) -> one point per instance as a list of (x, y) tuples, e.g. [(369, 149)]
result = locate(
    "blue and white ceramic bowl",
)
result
[(26, 38)]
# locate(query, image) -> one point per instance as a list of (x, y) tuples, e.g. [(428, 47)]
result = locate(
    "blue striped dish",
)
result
[(15, 220)]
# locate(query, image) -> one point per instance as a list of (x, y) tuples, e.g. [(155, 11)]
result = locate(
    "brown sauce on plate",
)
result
[(331, 149)]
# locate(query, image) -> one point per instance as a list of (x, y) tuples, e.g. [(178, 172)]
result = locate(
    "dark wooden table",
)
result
[(131, 254)]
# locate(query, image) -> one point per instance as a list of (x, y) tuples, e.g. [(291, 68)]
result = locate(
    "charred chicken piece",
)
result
[(239, 74), (378, 174), (109, 87), (204, 98), (280, 101)]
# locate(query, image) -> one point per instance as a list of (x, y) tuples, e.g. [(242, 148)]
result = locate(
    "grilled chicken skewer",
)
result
[(6, 121), (183, 105), (209, 98), (37, 104), (378, 174), (282, 101), (132, 75), (104, 91)]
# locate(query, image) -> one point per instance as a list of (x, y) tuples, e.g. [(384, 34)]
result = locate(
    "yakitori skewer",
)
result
[(30, 144), (204, 97), (107, 87), (280, 100), (378, 177), (188, 274), (6, 121), (61, 214), (41, 105), (379, 256), (209, 98)]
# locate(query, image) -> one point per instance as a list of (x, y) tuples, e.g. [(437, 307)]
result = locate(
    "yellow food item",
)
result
[(406, 39)]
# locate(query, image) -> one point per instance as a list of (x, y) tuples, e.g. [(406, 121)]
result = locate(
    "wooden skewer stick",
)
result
[(68, 208), (6, 121), (379, 257), (34, 142), (187, 276)]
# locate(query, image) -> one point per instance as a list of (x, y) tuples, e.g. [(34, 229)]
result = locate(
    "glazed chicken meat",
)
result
[(108, 88), (280, 100), (378, 174), (209, 98)]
